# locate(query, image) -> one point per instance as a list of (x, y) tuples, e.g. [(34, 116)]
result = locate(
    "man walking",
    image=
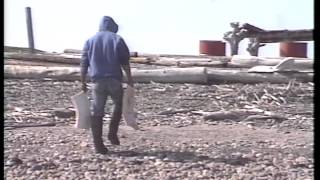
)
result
[(105, 54)]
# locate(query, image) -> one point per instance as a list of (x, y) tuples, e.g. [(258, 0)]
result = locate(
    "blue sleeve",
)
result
[(123, 52), (84, 63)]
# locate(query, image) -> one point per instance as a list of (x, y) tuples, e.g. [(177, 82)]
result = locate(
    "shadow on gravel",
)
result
[(172, 156), (235, 161)]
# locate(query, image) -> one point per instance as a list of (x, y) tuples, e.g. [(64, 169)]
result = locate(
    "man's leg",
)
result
[(99, 100), (116, 92)]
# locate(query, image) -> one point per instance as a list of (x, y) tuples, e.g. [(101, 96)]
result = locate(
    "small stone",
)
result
[(84, 144), (122, 136), (62, 157), (18, 109), (218, 142), (93, 167), (234, 145), (63, 113), (158, 162), (45, 114), (87, 175), (290, 156), (259, 168), (13, 161), (247, 156), (258, 155), (239, 170), (301, 160), (151, 157), (272, 146), (270, 169), (62, 141), (36, 167), (250, 126)]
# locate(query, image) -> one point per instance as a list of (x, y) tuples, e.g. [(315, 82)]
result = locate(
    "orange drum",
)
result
[(293, 49), (213, 48)]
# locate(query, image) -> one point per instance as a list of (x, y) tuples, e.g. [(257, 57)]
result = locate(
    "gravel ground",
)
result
[(175, 142)]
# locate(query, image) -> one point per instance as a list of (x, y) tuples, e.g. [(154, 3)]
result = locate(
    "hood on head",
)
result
[(108, 24)]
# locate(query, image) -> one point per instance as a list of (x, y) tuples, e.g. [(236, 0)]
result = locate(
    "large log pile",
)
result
[(178, 69), (238, 61), (197, 75)]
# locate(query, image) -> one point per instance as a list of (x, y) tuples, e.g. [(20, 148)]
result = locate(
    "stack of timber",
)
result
[(171, 68)]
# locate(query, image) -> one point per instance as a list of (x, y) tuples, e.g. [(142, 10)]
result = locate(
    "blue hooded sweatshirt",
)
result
[(105, 52)]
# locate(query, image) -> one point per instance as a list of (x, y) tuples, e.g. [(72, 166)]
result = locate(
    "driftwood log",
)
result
[(202, 64), (240, 76), (238, 61), (72, 51), (9, 127), (48, 57), (192, 62), (42, 72), (241, 115), (36, 63), (62, 59), (77, 51), (72, 59), (20, 49), (244, 61), (197, 75), (174, 111)]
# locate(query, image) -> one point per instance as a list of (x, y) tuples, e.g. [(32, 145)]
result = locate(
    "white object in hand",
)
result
[(83, 113), (128, 112)]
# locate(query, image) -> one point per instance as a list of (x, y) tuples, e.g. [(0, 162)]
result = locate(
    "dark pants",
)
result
[(101, 90)]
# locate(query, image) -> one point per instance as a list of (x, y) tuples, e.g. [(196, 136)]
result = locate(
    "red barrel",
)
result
[(213, 48), (293, 49)]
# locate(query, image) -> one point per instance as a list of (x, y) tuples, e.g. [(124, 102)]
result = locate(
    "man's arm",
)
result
[(124, 55), (127, 70), (84, 65)]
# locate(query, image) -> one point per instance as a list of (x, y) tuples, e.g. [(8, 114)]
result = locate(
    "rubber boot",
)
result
[(96, 129), (114, 126)]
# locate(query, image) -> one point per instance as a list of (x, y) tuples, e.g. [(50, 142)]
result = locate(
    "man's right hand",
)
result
[(84, 87), (127, 70), (83, 82)]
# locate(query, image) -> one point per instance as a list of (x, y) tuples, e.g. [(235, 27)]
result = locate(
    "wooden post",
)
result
[(30, 30)]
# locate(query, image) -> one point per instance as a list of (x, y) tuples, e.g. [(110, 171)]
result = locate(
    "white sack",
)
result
[(128, 112), (83, 113)]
